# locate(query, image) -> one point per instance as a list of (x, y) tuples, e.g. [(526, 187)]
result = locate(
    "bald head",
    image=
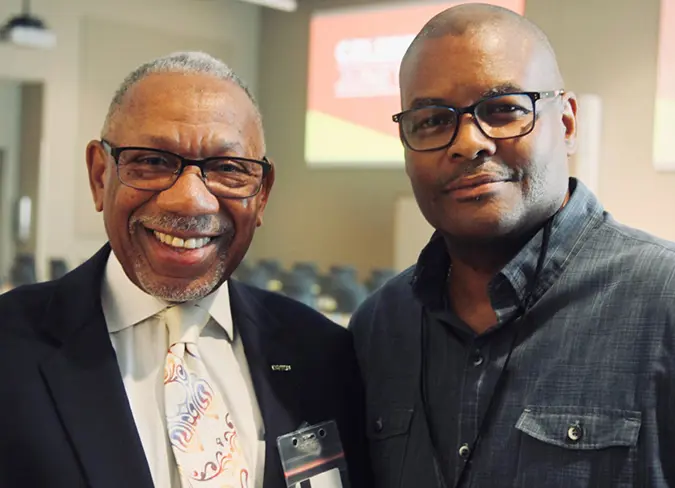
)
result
[(478, 19), (459, 19), (500, 68)]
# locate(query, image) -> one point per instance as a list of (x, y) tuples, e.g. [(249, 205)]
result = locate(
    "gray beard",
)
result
[(196, 290)]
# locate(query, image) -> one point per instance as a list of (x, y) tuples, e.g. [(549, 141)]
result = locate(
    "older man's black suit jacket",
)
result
[(65, 421)]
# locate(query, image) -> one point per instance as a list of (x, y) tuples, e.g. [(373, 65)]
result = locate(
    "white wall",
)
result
[(79, 76), (10, 114)]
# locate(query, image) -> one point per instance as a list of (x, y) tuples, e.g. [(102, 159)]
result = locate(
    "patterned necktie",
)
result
[(203, 437)]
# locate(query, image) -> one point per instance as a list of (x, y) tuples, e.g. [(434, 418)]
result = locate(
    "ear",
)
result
[(569, 120), (264, 194), (97, 166)]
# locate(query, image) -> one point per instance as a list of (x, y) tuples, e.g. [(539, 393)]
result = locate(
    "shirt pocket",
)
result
[(575, 446), (388, 431)]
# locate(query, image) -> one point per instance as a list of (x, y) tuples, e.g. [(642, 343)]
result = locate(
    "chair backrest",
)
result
[(348, 296), (306, 268), (344, 271), (243, 271), (57, 268), (300, 286), (273, 266), (343, 287), (379, 277), (23, 270), (257, 276)]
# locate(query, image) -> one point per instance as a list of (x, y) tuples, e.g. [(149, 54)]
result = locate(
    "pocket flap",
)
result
[(388, 422), (581, 427)]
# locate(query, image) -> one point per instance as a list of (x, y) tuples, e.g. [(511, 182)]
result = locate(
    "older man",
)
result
[(146, 365), (532, 343)]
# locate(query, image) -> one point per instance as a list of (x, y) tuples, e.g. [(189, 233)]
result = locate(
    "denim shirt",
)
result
[(588, 396)]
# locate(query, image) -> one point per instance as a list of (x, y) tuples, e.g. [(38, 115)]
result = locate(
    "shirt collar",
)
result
[(581, 213), (217, 304), (125, 305)]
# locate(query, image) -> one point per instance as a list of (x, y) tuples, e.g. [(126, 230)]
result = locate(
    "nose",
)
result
[(188, 196), (470, 142)]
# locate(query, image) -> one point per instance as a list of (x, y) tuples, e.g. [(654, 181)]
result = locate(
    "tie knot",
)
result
[(185, 323)]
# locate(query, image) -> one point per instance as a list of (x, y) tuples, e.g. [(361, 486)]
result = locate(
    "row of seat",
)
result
[(337, 292), (23, 272)]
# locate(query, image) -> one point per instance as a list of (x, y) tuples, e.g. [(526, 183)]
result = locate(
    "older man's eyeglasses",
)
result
[(157, 170), (431, 128)]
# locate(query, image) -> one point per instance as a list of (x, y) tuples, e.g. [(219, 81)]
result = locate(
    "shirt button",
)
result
[(464, 451), (575, 432), (477, 358), (379, 425)]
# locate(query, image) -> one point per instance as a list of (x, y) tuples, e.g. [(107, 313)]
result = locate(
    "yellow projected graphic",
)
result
[(333, 140)]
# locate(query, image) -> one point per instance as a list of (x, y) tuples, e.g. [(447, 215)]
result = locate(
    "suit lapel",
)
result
[(86, 385), (261, 336)]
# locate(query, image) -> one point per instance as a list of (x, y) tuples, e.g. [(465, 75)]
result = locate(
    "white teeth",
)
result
[(192, 243)]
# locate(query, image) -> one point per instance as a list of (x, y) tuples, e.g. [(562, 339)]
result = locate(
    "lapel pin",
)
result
[(281, 367)]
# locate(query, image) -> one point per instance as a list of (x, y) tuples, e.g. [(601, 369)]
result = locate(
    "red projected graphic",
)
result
[(664, 117), (354, 61)]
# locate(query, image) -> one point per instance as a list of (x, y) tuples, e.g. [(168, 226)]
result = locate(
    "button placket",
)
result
[(477, 358), (464, 451)]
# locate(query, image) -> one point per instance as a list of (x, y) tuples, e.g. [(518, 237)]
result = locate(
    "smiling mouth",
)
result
[(473, 183), (180, 243)]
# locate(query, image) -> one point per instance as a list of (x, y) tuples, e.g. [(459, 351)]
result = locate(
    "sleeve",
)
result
[(665, 404), (660, 463)]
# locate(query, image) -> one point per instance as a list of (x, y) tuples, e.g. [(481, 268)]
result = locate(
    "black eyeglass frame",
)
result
[(116, 151), (471, 109)]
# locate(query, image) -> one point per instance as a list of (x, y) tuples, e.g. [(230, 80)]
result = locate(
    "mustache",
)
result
[(477, 168), (204, 224)]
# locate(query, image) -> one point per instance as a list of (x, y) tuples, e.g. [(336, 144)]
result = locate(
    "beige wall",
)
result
[(610, 48), (330, 216), (77, 81), (334, 216), (10, 117), (32, 101)]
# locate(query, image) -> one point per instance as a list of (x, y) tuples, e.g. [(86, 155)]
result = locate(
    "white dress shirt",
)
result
[(141, 341)]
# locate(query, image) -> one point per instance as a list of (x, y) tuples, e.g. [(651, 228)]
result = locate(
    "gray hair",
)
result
[(191, 62)]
